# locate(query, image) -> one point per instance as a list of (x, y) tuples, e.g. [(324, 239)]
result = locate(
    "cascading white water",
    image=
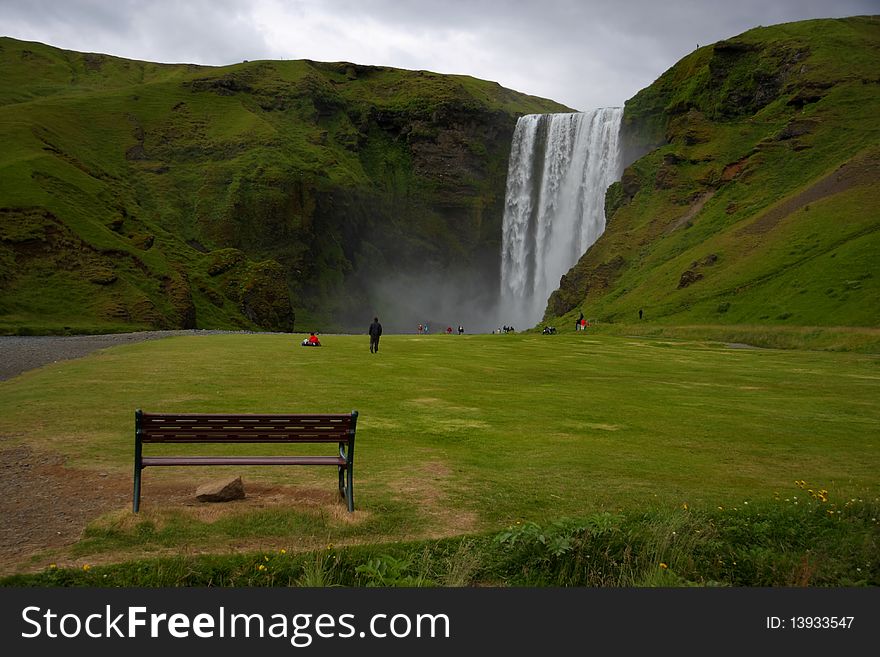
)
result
[(560, 167)]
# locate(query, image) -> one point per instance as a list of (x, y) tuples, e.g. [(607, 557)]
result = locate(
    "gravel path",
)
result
[(21, 353)]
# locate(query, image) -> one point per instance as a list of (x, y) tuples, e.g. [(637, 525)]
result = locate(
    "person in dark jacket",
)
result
[(375, 333)]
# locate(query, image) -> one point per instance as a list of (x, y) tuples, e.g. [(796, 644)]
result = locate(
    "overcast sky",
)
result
[(585, 54)]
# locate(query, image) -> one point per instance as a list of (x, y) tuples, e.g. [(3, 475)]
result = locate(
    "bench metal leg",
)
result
[(138, 462), (136, 499), (349, 489), (346, 488)]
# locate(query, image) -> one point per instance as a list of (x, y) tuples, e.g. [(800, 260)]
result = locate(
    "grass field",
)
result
[(462, 435)]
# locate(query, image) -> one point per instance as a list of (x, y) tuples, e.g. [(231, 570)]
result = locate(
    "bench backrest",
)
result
[(245, 428)]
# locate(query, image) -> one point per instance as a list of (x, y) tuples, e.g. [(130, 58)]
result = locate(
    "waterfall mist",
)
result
[(560, 167), (448, 298)]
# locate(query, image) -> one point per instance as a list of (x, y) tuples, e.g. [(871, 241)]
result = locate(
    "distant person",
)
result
[(577, 326), (421, 328), (583, 324), (375, 334), (460, 329), (640, 313), (448, 330)]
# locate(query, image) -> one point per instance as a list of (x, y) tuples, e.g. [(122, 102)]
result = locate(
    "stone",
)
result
[(221, 490), (688, 277)]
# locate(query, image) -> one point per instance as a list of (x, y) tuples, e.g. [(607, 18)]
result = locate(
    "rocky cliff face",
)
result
[(264, 195)]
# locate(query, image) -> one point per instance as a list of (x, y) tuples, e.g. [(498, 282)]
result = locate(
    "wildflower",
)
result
[(266, 557), (86, 567), (261, 567), (282, 551), (53, 566), (663, 565), (685, 506)]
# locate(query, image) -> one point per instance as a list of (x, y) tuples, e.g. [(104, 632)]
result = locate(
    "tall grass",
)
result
[(776, 544)]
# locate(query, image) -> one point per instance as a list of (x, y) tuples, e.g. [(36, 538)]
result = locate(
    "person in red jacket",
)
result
[(311, 341)]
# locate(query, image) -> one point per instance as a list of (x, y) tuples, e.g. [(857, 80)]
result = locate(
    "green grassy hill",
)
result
[(139, 195), (757, 201)]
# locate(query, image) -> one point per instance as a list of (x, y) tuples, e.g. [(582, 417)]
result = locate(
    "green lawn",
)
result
[(467, 434)]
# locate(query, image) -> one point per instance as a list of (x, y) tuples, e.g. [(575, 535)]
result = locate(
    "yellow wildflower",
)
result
[(663, 565)]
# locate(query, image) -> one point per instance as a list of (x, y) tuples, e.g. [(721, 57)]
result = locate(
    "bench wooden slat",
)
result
[(241, 437), (247, 428), (243, 460)]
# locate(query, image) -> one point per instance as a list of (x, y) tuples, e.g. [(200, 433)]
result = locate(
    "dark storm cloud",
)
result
[(582, 53)]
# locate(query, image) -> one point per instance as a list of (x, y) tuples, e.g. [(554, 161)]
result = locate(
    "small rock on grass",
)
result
[(221, 490)]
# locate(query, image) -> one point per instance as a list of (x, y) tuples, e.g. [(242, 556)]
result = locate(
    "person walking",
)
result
[(375, 334)]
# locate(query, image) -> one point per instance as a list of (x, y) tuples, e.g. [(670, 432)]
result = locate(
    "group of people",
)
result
[(422, 329), (581, 324), (505, 329)]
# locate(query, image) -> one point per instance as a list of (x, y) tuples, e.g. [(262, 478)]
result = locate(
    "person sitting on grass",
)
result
[(311, 341)]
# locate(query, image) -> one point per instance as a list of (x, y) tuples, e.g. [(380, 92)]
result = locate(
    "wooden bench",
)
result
[(204, 428)]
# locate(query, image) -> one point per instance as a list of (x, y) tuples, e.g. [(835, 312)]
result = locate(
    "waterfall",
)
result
[(560, 166)]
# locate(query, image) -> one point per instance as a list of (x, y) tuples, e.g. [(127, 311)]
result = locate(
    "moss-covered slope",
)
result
[(136, 195), (758, 199)]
